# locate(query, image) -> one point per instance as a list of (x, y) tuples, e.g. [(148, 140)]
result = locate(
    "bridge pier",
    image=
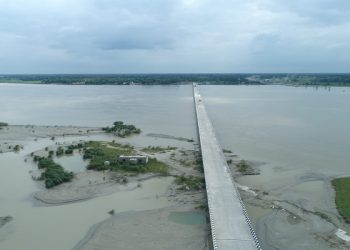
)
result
[(230, 224)]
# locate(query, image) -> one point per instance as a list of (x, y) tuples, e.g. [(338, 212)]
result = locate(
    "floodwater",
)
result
[(155, 109), (74, 163), (298, 137), (189, 218)]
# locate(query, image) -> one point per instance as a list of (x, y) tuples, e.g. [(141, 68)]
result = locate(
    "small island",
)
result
[(122, 130), (3, 124), (71, 164)]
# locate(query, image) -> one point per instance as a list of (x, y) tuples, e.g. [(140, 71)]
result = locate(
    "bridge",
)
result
[(230, 224)]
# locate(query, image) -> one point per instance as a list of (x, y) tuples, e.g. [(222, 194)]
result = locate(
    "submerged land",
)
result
[(180, 223), (184, 192)]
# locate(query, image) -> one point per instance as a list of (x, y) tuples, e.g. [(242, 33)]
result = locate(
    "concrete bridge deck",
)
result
[(230, 225)]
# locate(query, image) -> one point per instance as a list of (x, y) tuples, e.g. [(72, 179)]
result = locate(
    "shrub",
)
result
[(54, 174)]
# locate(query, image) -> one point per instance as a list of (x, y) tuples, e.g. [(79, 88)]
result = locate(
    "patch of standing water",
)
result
[(74, 162), (188, 218), (61, 227)]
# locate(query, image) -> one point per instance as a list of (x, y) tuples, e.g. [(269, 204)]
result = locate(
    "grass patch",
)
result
[(99, 152), (156, 166), (189, 182), (152, 166), (342, 196), (243, 166), (157, 149), (202, 207)]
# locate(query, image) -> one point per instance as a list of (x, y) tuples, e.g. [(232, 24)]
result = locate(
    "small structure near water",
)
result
[(133, 159)]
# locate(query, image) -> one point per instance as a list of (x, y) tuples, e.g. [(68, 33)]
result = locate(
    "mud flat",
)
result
[(87, 185), (304, 217), (153, 208), (146, 230), (13, 135)]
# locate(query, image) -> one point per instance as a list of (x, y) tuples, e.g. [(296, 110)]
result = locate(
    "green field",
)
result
[(342, 196)]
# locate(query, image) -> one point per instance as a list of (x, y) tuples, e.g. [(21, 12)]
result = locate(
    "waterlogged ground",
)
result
[(36, 225), (298, 139)]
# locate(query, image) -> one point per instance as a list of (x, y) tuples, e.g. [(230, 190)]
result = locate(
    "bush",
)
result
[(190, 182), (68, 151), (121, 129), (243, 166), (3, 124), (59, 151), (54, 174), (45, 163)]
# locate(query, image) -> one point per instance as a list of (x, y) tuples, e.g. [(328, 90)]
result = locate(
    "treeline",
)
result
[(169, 79), (323, 80), (130, 79), (304, 79), (3, 124)]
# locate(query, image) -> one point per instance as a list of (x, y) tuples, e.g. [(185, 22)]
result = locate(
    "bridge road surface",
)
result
[(230, 225)]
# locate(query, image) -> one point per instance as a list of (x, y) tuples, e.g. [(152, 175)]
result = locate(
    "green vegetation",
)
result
[(342, 197), (3, 124), (51, 153), (68, 151), (189, 182), (157, 149), (242, 166), (202, 207), (59, 151), (122, 130), (227, 151), (100, 152), (245, 168), (168, 79), (130, 79), (53, 174), (153, 166)]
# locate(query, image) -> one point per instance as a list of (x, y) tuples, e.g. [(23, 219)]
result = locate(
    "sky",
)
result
[(174, 36)]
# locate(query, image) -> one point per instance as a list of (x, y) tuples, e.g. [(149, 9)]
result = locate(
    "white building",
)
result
[(133, 159)]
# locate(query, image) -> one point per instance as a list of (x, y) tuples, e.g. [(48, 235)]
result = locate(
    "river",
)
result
[(298, 137)]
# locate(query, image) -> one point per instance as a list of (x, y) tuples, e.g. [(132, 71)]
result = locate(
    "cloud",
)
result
[(117, 36)]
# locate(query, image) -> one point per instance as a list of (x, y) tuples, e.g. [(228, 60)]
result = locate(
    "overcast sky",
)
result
[(174, 36)]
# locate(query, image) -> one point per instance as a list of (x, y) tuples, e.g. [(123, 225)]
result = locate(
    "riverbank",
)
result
[(301, 214), (173, 228)]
